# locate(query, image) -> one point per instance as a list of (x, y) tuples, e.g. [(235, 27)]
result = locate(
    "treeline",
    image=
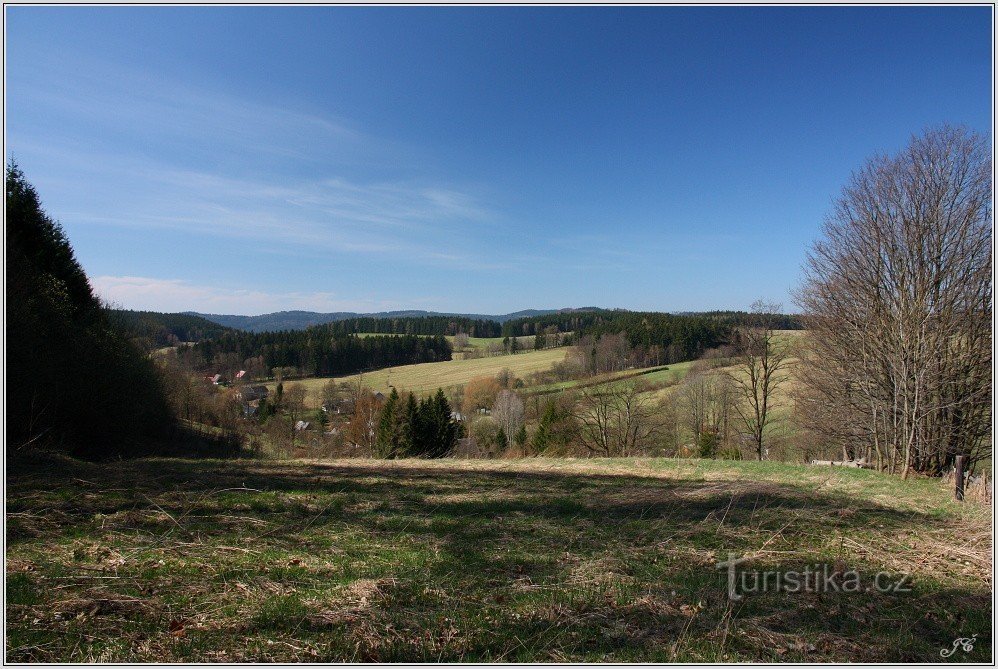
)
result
[(583, 322), (424, 325), (753, 319), (151, 330), (568, 321), (74, 381), (681, 337), (677, 336), (317, 352)]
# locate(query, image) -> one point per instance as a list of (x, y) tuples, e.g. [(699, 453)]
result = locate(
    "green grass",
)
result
[(483, 342), (671, 374), (656, 374), (532, 560)]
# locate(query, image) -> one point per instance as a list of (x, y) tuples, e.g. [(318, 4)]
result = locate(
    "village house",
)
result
[(252, 393)]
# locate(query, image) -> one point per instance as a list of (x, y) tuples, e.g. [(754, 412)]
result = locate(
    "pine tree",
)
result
[(542, 436), (442, 428), (521, 436), (409, 432), (548, 435), (387, 439)]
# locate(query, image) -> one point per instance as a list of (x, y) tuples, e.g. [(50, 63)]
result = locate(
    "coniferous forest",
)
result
[(73, 378), (317, 352), (151, 330)]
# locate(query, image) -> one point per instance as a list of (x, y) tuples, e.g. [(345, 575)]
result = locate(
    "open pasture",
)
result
[(532, 561), (427, 377)]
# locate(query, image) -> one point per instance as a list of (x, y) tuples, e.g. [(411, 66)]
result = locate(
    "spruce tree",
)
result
[(442, 428), (521, 436), (386, 441), (409, 429)]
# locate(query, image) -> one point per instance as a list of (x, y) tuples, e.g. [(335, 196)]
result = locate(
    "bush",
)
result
[(707, 445), (488, 437)]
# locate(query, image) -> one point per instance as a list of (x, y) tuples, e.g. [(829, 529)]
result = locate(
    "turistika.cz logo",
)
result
[(820, 578)]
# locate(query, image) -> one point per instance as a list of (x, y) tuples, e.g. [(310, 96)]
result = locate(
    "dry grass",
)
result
[(427, 377), (532, 560)]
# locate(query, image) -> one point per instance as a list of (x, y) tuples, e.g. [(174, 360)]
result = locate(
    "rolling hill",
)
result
[(299, 320)]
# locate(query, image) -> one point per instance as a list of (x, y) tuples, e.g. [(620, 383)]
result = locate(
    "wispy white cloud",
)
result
[(174, 295), (406, 219), (149, 111), (228, 167), (333, 214)]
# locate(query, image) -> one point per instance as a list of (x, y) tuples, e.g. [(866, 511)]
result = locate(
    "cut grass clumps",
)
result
[(506, 561)]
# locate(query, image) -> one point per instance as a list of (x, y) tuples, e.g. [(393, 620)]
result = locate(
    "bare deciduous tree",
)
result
[(294, 404), (615, 419), (705, 403), (508, 414), (361, 431), (898, 304), (480, 393), (759, 371)]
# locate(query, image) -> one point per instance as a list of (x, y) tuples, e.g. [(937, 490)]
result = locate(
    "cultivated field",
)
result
[(650, 375), (532, 560), (427, 377), (526, 343)]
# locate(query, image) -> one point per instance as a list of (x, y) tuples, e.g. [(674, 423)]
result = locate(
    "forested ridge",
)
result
[(584, 322), (151, 330), (300, 320), (332, 348), (422, 325), (686, 335), (317, 352)]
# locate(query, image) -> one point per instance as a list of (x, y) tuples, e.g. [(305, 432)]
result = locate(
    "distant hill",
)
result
[(152, 330), (299, 320)]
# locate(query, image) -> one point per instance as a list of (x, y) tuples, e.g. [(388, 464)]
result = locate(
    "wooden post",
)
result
[(960, 466)]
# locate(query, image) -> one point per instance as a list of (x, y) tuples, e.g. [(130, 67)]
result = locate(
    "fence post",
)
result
[(960, 465)]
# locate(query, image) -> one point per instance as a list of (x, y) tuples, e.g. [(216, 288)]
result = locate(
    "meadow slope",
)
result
[(426, 377), (531, 560)]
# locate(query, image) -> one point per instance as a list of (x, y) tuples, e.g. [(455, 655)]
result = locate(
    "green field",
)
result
[(530, 561), (650, 375), (428, 376), (482, 343), (474, 343), (425, 378)]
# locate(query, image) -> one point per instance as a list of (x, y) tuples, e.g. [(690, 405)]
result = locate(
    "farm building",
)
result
[(253, 393)]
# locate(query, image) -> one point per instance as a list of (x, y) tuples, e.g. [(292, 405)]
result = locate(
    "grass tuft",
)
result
[(526, 561)]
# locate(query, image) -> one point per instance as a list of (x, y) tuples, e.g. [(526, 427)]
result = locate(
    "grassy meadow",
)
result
[(427, 377), (532, 561)]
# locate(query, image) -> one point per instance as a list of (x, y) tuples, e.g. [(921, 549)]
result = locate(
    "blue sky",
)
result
[(249, 160)]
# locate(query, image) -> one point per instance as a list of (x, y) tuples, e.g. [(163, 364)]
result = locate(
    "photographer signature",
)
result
[(964, 644)]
